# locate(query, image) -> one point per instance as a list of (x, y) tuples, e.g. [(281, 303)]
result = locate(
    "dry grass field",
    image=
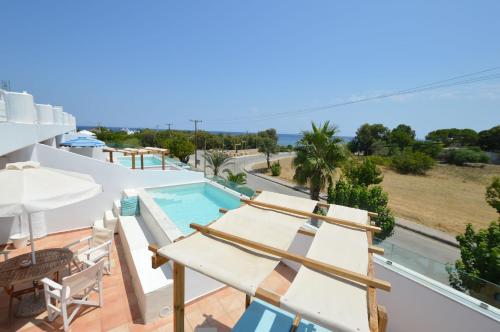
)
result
[(447, 198)]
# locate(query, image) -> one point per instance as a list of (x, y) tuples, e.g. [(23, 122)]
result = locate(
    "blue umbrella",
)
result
[(83, 142)]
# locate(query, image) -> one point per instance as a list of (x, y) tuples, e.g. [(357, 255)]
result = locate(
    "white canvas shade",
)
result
[(236, 250), (334, 303), (228, 263), (26, 187)]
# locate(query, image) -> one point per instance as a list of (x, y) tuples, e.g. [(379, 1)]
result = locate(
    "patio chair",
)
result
[(74, 290), (97, 246)]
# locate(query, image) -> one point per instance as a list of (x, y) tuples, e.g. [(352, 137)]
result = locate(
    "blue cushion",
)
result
[(129, 206), (263, 317)]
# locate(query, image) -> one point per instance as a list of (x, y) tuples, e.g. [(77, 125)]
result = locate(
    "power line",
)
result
[(449, 82)]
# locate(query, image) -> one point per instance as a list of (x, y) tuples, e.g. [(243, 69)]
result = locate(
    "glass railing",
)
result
[(242, 189), (482, 290)]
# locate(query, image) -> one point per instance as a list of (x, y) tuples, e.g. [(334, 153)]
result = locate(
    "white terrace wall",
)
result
[(416, 303), (113, 178)]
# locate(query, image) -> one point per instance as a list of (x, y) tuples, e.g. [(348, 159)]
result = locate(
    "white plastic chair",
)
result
[(98, 246), (75, 289)]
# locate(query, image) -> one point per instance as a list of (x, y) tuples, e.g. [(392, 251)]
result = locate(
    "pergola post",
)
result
[(133, 160), (163, 160), (142, 160), (248, 300), (178, 297), (111, 156)]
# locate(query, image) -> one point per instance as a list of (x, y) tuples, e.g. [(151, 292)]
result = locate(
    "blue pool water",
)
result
[(193, 203), (150, 161)]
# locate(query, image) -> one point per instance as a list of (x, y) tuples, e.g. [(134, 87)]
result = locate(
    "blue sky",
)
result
[(147, 63)]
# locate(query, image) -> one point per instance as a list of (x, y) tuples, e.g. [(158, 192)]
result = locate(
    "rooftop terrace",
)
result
[(120, 311)]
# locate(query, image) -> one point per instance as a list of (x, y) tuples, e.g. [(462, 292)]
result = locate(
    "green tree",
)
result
[(268, 146), (364, 173), (237, 178), (490, 139), (366, 136), (402, 136), (182, 148), (453, 137), (319, 153), (493, 194), (217, 160), (479, 255), (432, 149), (479, 258)]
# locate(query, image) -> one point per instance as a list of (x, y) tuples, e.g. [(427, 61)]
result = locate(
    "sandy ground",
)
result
[(447, 198)]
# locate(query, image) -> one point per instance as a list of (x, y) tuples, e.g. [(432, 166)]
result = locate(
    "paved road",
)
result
[(404, 243)]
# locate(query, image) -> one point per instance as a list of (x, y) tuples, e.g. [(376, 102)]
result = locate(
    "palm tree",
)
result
[(319, 153), (237, 178), (216, 160)]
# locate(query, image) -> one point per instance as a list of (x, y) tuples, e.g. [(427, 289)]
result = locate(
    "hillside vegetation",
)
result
[(447, 198)]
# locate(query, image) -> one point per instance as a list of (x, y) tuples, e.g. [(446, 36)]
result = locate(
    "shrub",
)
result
[(276, 169), (493, 194), (364, 173), (372, 199), (380, 160), (465, 155), (412, 162)]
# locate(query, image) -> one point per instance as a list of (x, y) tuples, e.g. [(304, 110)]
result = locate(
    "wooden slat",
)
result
[(248, 299), (178, 297), (306, 232), (375, 250), (311, 263), (371, 248), (327, 219), (295, 324), (156, 260), (268, 296)]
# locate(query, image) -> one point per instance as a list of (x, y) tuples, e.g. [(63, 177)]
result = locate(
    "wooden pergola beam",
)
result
[(331, 220), (156, 260), (311, 263), (371, 248)]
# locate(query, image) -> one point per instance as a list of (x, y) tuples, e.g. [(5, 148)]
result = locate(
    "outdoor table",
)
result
[(49, 262)]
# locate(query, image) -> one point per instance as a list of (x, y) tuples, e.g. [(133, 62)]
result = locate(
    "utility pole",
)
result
[(196, 141), (169, 130)]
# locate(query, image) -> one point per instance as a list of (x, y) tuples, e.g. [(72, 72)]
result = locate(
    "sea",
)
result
[(283, 139)]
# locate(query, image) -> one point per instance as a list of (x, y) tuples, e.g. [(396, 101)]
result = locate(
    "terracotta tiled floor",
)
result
[(120, 311)]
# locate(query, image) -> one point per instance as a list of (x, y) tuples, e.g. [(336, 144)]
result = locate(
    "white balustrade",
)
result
[(20, 107), (45, 114)]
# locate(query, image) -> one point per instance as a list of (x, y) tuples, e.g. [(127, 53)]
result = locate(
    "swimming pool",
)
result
[(151, 161), (193, 203)]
